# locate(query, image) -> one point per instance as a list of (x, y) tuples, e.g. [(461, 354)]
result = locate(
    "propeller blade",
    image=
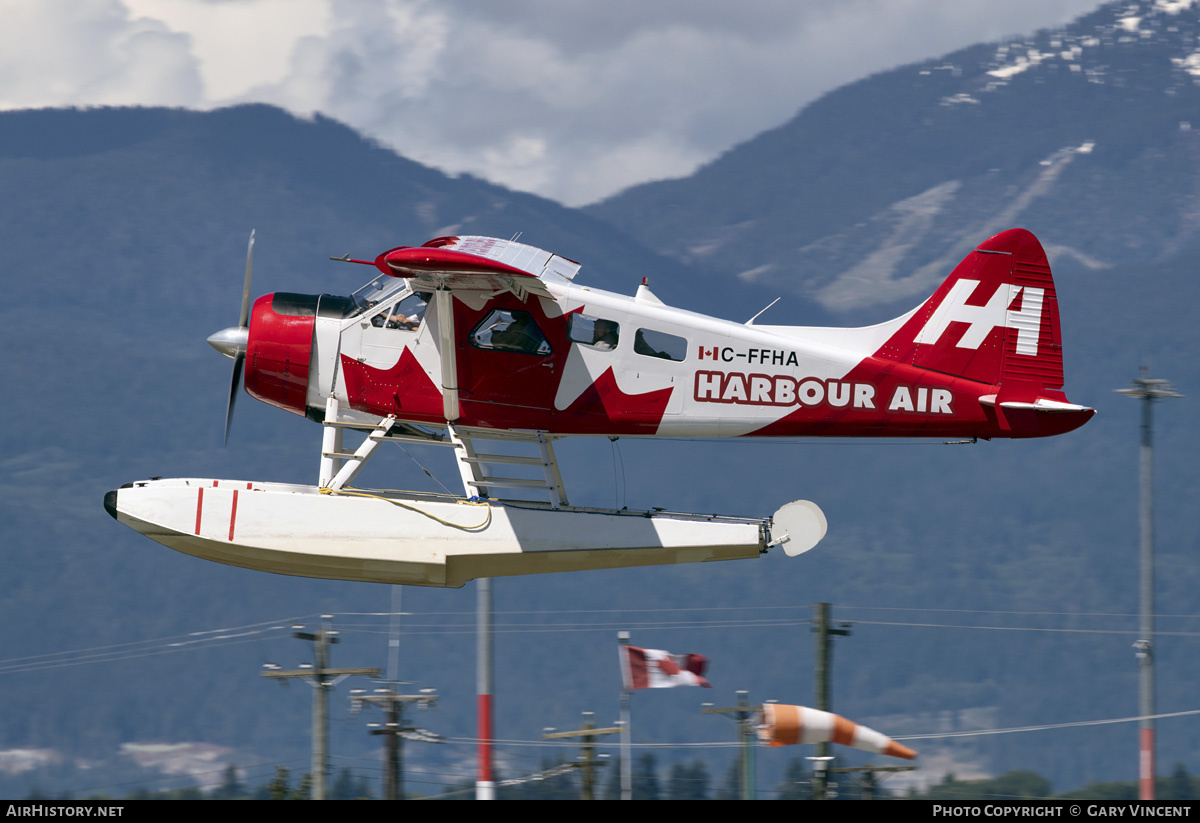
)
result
[(233, 392), (244, 320), (242, 334)]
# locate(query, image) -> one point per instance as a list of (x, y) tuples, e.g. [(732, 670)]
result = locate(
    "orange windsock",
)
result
[(786, 725)]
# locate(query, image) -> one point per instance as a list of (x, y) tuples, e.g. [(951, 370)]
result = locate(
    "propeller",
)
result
[(232, 342)]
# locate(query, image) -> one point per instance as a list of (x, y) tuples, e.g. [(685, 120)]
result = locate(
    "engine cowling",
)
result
[(279, 349)]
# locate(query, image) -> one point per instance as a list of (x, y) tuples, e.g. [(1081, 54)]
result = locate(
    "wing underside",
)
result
[(484, 264)]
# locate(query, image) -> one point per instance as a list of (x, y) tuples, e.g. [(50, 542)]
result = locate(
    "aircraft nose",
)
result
[(231, 341)]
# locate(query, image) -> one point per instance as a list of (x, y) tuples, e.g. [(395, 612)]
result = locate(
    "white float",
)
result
[(428, 539)]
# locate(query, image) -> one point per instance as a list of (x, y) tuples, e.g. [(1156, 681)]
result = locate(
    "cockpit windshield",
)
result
[(378, 290)]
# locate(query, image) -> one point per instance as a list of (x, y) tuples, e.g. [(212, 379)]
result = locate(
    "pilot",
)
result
[(399, 320)]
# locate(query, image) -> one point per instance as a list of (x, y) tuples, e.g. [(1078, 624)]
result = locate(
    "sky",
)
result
[(570, 99)]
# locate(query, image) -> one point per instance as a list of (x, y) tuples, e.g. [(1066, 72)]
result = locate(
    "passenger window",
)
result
[(593, 331), (653, 343), (512, 331)]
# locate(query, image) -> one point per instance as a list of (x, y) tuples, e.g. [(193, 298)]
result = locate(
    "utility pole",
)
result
[(745, 715), (322, 678), (393, 707), (1147, 389), (587, 761), (824, 646)]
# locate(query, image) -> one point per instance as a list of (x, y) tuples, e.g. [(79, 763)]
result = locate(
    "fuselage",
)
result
[(587, 361)]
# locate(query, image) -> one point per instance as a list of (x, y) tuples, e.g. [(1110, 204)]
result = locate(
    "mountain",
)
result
[(989, 585), (1087, 135)]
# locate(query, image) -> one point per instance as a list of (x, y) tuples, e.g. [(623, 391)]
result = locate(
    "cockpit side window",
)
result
[(510, 331), (593, 331), (651, 343), (405, 315)]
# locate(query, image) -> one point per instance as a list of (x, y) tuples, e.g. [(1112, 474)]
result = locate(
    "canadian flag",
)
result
[(658, 669)]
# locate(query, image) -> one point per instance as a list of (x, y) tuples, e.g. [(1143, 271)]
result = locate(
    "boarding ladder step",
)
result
[(474, 465), (504, 458)]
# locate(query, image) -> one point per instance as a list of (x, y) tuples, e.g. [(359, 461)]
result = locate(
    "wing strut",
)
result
[(444, 302)]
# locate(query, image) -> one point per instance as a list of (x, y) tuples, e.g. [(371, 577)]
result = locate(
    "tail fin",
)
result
[(994, 320)]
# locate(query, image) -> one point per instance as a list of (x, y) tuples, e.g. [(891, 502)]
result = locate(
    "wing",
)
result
[(471, 263), (478, 264)]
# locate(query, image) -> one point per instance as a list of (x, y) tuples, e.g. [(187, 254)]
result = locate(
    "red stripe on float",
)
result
[(233, 515), (199, 506)]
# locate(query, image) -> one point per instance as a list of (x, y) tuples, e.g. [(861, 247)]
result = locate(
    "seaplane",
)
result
[(490, 348)]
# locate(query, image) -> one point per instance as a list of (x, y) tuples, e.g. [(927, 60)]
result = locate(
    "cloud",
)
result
[(576, 101), (92, 52), (573, 101), (239, 43)]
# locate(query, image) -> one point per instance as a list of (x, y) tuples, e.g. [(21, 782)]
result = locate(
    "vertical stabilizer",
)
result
[(994, 320)]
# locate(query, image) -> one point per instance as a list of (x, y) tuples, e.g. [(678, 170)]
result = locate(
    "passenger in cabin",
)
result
[(651, 343), (604, 335), (521, 335), (644, 348)]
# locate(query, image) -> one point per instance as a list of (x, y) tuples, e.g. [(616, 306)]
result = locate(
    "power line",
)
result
[(1046, 727), (1018, 628), (131, 654), (170, 640), (920, 736), (252, 632), (795, 608), (434, 630)]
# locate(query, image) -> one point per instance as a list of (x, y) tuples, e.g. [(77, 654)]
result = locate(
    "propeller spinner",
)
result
[(232, 341)]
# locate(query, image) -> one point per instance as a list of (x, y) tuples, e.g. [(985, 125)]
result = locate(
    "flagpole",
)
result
[(626, 732)]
